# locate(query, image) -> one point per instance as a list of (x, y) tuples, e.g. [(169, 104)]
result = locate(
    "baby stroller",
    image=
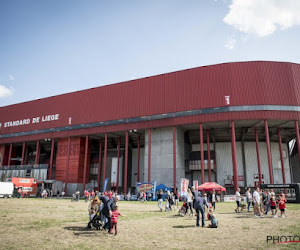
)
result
[(181, 211), (97, 221)]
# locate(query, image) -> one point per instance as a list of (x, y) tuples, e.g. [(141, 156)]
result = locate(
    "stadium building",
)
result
[(233, 123)]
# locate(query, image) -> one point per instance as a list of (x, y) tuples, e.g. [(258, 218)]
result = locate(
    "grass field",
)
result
[(61, 224)]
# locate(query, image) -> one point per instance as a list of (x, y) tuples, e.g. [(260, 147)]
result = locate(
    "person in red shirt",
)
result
[(282, 205), (92, 194), (114, 219), (86, 195)]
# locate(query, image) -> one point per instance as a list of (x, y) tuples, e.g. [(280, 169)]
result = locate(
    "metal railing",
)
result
[(25, 167)]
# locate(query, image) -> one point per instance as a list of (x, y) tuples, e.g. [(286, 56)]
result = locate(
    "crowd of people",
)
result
[(103, 206), (193, 201), (262, 201)]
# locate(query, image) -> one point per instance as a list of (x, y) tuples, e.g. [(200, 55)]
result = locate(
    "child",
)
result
[(210, 208), (114, 219), (182, 210), (167, 205), (282, 205), (213, 219), (273, 206)]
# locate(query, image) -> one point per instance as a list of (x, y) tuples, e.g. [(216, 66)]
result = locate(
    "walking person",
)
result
[(189, 200), (256, 200), (213, 199), (160, 199), (176, 194), (114, 219), (237, 200), (281, 205), (200, 202), (248, 198), (86, 195), (273, 206), (267, 201), (19, 192)]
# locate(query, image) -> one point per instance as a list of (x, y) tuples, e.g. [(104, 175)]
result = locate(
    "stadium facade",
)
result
[(230, 123)]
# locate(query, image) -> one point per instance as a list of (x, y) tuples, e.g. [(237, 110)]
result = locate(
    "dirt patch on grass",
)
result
[(61, 224)]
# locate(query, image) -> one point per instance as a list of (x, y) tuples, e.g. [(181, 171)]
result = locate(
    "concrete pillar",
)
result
[(162, 160)]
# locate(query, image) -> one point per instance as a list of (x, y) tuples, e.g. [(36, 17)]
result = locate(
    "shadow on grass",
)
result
[(184, 226), (82, 231)]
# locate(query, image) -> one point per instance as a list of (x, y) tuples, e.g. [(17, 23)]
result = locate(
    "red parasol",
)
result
[(210, 186)]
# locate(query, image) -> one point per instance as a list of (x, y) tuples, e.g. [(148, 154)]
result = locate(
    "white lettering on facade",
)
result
[(227, 99), (46, 118), (49, 118)]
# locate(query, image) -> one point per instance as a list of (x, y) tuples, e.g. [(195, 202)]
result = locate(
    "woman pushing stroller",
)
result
[(94, 214)]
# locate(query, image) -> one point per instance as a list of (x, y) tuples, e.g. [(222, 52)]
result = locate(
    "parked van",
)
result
[(6, 189)]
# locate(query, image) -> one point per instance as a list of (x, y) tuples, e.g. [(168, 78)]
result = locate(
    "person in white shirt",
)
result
[(238, 200), (256, 200)]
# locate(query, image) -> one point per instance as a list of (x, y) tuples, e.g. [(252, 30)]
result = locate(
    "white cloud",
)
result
[(11, 77), (263, 17), (230, 43), (5, 92)]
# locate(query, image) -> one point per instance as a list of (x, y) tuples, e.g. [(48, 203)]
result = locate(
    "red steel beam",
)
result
[(99, 165), (26, 155), (269, 151), (149, 155), (126, 162), (9, 154), (138, 159), (85, 160), (67, 164), (118, 164), (208, 155), (23, 153), (234, 161), (174, 158), (258, 157), (51, 158), (202, 153), (298, 139), (37, 156), (281, 155)]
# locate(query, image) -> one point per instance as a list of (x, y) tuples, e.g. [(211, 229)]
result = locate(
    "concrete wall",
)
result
[(162, 156), (134, 166)]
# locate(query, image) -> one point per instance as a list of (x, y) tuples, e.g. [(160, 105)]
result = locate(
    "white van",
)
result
[(6, 189)]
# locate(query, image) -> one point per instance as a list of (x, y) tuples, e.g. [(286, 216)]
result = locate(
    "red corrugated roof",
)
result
[(247, 83)]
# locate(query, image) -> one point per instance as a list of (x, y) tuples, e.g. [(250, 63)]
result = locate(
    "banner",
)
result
[(184, 183), (105, 185), (195, 185), (147, 187)]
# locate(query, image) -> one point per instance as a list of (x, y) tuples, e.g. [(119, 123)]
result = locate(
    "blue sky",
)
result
[(52, 47)]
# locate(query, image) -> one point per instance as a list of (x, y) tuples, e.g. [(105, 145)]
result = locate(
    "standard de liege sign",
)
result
[(46, 118)]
